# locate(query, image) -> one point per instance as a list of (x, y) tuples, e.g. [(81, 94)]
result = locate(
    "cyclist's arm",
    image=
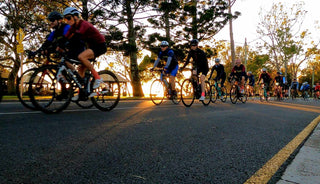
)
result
[(186, 62), (168, 62), (156, 63)]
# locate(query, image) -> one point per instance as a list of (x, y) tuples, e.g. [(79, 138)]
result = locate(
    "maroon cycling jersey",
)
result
[(88, 33)]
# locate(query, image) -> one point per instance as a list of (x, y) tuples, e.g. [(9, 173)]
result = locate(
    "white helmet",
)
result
[(70, 11), (164, 43), (217, 60), (264, 69)]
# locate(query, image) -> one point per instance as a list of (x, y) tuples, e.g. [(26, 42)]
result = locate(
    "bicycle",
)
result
[(161, 88), (51, 88), (305, 95), (1, 87), (218, 92), (263, 94), (235, 93), (293, 93), (40, 60), (278, 92), (191, 90)]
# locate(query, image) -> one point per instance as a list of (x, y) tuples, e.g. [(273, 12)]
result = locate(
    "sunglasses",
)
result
[(68, 17), (163, 46), (52, 20)]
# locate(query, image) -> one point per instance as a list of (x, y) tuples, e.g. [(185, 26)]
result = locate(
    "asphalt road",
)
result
[(139, 142)]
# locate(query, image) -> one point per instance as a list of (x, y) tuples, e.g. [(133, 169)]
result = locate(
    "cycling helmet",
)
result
[(278, 73), (70, 11), (164, 43), (249, 72), (217, 60), (54, 16), (264, 69), (194, 42)]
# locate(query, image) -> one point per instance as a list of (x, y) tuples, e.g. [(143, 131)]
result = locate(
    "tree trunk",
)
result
[(134, 69)]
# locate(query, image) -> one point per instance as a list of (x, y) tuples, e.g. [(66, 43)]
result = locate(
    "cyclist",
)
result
[(294, 86), (278, 81), (82, 30), (221, 74), (171, 66), (317, 90), (239, 72), (304, 88), (251, 82), (199, 63), (266, 79), (60, 29)]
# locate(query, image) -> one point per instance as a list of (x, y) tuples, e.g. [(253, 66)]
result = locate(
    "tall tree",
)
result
[(125, 16), (280, 31)]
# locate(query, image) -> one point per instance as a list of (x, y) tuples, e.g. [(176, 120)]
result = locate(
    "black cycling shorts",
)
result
[(99, 49)]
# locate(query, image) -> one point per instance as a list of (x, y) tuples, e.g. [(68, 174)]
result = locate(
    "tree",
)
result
[(124, 14), (283, 40)]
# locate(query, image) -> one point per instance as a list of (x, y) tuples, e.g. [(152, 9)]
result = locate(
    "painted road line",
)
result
[(264, 174), (309, 108)]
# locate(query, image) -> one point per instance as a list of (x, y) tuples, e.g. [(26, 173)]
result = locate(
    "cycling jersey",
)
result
[(169, 57), (200, 61), (87, 33), (305, 87), (295, 85), (317, 88), (251, 80), (279, 80), (266, 78), (238, 71), (54, 38), (220, 72)]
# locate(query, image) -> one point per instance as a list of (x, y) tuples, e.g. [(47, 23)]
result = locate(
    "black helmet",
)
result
[(194, 42), (54, 16)]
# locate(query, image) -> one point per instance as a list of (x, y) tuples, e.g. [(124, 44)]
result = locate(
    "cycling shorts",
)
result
[(174, 71), (99, 49)]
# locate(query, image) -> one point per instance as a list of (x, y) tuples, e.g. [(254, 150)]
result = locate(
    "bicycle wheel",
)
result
[(214, 94), (207, 99), (244, 96), (187, 93), (22, 91), (1, 88), (234, 94), (108, 94), (157, 92), (224, 94), (46, 93), (176, 98)]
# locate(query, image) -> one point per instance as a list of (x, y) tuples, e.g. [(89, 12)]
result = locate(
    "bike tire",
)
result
[(176, 99), (234, 94), (244, 96), (187, 93), (108, 94), (46, 98), (1, 88), (23, 96), (157, 92), (224, 94), (214, 94), (207, 99)]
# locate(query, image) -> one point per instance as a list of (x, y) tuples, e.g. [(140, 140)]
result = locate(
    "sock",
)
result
[(95, 74), (203, 94)]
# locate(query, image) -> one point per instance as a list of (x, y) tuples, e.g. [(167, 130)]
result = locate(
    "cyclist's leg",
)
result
[(84, 58), (172, 78)]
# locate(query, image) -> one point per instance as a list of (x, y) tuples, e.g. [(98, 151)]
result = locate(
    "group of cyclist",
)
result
[(200, 68), (78, 38), (82, 41)]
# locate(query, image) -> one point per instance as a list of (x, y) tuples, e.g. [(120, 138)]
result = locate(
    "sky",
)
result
[(246, 24)]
